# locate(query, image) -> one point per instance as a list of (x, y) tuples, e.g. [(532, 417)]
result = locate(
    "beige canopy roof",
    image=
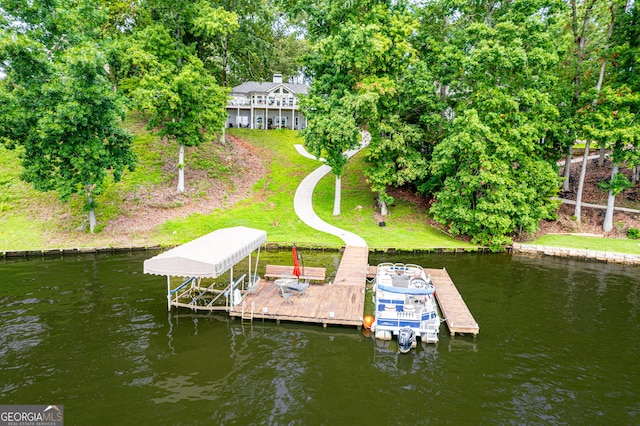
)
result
[(208, 256)]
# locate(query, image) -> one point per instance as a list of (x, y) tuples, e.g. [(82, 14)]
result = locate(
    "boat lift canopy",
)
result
[(208, 256)]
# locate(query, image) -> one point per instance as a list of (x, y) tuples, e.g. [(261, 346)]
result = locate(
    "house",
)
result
[(272, 105)]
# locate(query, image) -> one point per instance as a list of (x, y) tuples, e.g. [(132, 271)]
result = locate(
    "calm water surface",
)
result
[(558, 344)]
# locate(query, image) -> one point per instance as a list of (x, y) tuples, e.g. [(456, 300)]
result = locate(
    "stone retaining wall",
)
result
[(602, 256), (516, 249), (74, 251)]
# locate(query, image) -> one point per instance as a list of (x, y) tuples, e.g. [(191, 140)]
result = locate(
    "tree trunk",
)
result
[(601, 77), (611, 200), (567, 170), (181, 169), (92, 221), (336, 202), (583, 172), (383, 206), (92, 216), (602, 155)]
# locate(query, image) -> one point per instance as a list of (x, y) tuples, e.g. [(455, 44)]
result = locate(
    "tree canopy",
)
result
[(469, 103), (57, 102)]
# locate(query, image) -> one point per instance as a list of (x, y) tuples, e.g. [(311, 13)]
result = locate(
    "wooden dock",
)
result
[(342, 301), (454, 310), (338, 303)]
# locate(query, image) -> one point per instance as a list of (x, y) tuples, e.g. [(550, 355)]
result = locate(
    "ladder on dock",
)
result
[(247, 315)]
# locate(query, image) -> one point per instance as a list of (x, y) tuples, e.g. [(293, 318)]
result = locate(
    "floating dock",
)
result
[(342, 302), (338, 303), (454, 310)]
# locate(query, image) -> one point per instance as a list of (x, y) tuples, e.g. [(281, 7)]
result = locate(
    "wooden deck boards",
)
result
[(454, 310), (338, 303), (342, 302)]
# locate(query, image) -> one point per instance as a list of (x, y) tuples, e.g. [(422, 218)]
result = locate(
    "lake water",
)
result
[(558, 344)]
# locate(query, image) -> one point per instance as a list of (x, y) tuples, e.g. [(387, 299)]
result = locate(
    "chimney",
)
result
[(277, 78)]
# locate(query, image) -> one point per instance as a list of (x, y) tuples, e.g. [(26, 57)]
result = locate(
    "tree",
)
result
[(491, 173), (58, 104), (603, 63), (329, 135), (181, 96), (613, 121), (360, 53)]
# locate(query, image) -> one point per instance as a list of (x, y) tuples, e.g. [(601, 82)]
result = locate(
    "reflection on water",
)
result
[(558, 344)]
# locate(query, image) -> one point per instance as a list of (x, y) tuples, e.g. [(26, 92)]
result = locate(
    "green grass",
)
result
[(17, 230), (21, 233), (405, 227), (270, 205), (590, 243)]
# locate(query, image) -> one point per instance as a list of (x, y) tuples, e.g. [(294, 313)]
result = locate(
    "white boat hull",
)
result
[(404, 299)]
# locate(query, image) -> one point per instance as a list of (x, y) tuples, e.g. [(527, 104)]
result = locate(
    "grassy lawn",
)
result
[(28, 216), (406, 226), (17, 230), (269, 207), (590, 243)]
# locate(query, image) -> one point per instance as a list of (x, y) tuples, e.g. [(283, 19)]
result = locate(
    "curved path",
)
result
[(303, 199)]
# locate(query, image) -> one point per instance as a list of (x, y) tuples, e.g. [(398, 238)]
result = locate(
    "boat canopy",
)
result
[(208, 256)]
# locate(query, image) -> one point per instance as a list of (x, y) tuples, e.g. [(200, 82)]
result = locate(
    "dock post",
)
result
[(168, 293)]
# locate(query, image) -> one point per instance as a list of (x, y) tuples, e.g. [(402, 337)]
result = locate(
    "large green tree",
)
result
[(360, 54), (57, 102), (492, 173), (182, 97)]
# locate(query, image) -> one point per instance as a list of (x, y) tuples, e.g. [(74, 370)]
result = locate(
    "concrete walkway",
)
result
[(303, 200)]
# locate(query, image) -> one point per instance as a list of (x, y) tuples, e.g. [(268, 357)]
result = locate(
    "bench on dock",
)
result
[(310, 273)]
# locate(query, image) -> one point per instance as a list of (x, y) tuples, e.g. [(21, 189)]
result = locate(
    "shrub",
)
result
[(633, 233)]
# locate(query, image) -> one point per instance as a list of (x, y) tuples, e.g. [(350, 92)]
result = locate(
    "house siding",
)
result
[(266, 105)]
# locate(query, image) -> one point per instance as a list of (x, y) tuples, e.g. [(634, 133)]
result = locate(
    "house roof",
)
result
[(208, 256), (256, 87)]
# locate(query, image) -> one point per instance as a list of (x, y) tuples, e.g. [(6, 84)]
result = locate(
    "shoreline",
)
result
[(8, 254), (573, 253), (520, 249)]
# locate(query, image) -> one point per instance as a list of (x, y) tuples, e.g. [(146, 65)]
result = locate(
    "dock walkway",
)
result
[(454, 310)]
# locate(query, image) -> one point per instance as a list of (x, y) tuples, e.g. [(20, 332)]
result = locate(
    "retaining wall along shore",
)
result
[(516, 249), (601, 256)]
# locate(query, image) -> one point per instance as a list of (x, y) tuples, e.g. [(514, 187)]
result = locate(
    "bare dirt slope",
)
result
[(151, 206), (591, 218)]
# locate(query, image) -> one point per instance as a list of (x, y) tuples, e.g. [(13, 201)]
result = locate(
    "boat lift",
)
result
[(209, 256)]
